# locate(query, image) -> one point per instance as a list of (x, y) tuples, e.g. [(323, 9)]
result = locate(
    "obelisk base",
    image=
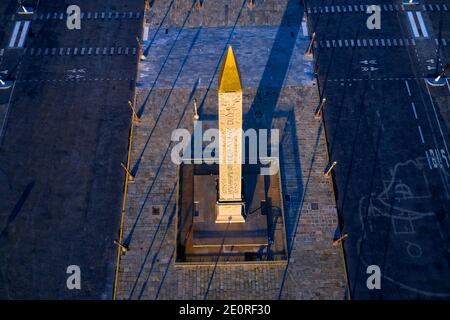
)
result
[(230, 212)]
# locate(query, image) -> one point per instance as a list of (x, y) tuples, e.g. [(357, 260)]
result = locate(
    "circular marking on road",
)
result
[(413, 249)]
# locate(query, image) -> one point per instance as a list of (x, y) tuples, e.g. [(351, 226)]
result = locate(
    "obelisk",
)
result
[(230, 207)]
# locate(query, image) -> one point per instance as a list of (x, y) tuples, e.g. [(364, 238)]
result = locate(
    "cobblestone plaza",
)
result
[(183, 51)]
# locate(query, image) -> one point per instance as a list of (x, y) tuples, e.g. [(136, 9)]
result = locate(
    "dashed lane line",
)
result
[(374, 79), (407, 87), (102, 15), (339, 9), (421, 135), (413, 106), (74, 79), (77, 51)]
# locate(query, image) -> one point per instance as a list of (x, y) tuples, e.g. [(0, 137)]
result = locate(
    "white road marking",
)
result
[(422, 24), (413, 106), (5, 119), (407, 87), (24, 34), (429, 161), (15, 33), (421, 134), (413, 24), (435, 114)]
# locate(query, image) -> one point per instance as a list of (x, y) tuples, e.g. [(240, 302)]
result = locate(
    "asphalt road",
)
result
[(386, 129), (64, 134)]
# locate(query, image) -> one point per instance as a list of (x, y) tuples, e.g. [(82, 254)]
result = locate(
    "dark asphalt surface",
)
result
[(385, 128), (65, 135)]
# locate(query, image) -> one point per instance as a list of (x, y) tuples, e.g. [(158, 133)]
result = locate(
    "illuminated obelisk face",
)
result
[(230, 205)]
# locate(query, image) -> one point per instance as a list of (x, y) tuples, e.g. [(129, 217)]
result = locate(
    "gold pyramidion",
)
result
[(230, 77)]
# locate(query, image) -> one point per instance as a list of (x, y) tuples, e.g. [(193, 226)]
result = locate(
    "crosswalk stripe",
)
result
[(77, 51), (14, 34), (413, 24), (422, 24), (24, 34)]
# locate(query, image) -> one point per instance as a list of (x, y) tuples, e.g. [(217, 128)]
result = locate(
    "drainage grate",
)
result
[(156, 211)]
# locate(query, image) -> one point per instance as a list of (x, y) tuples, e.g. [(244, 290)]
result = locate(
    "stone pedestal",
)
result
[(230, 212)]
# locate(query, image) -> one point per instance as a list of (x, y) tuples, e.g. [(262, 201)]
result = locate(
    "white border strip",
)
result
[(422, 24), (14, 34), (413, 24), (24, 34)]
